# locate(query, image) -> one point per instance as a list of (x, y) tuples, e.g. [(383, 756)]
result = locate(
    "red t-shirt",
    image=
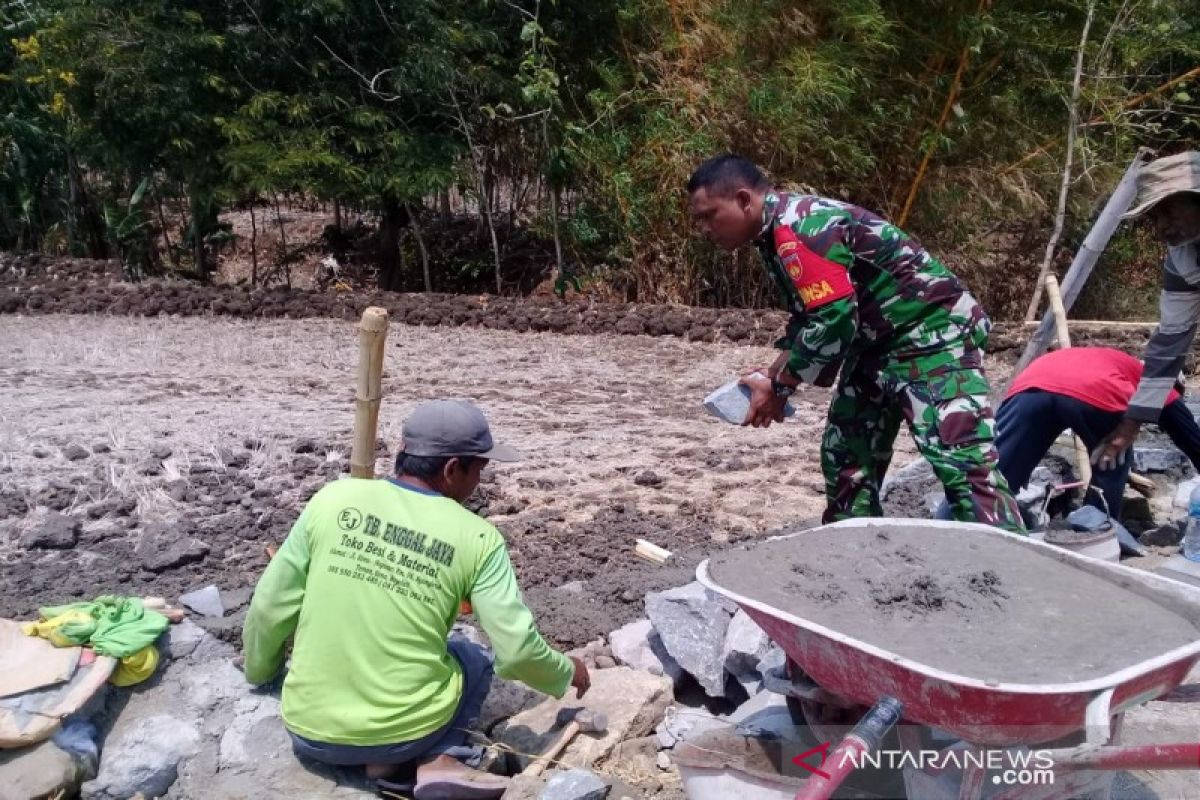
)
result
[(1099, 376)]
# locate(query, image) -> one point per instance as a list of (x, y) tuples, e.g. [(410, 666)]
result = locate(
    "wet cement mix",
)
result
[(974, 605)]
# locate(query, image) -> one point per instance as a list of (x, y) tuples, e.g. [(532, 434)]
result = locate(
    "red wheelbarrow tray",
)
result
[(980, 712)]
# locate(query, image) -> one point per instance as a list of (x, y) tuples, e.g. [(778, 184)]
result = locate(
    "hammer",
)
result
[(581, 720)]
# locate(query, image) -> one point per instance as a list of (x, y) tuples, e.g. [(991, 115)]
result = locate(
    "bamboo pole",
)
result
[(372, 335), (964, 59), (1054, 297)]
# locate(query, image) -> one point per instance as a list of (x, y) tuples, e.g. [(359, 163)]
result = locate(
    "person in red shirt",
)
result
[(1085, 389)]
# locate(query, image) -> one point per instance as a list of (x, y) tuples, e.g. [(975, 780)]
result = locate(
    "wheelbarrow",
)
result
[(1076, 726)]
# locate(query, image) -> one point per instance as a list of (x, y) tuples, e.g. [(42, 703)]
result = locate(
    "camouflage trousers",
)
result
[(951, 421)]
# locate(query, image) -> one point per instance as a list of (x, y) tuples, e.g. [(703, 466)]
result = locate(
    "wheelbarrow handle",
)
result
[(866, 736), (1183, 755)]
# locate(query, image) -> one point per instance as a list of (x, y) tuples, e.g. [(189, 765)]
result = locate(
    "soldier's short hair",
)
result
[(725, 174)]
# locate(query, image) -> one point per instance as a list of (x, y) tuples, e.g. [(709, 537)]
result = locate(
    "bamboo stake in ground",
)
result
[(1054, 297), (371, 338)]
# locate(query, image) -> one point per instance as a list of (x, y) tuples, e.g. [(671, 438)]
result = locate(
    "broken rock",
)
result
[(57, 532), (692, 622), (633, 701), (43, 770), (1167, 535), (638, 645), (681, 723), (505, 699), (143, 758), (574, 784), (1158, 459), (206, 601), (745, 645), (163, 548), (181, 640)]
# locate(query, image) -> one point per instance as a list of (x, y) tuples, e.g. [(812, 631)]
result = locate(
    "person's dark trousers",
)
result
[(1028, 423), (1177, 422)]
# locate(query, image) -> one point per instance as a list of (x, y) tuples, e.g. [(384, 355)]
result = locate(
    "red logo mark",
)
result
[(823, 749)]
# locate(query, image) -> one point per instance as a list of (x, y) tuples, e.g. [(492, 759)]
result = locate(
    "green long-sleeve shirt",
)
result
[(370, 580)]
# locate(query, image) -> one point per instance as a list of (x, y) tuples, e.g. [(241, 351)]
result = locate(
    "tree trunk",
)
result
[(203, 220), (287, 261), (485, 210), (416, 227), (253, 249), (558, 259), (337, 214), (166, 234), (90, 226), (387, 244), (1065, 187), (444, 207)]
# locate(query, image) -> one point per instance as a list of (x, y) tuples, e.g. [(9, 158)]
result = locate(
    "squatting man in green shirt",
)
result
[(369, 581)]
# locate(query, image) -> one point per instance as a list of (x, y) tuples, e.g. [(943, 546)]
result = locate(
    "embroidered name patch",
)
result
[(818, 280)]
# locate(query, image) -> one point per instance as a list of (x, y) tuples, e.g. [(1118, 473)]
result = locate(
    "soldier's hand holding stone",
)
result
[(765, 406)]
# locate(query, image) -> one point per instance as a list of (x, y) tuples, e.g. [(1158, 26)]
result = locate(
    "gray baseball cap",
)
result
[(1164, 177), (443, 428)]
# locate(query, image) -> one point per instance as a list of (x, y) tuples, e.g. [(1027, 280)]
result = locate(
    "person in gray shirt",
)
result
[(1169, 195)]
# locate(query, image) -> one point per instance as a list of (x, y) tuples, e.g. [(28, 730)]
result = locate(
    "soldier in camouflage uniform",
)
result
[(868, 300)]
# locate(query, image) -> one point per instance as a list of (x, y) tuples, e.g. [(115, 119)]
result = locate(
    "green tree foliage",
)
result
[(579, 124)]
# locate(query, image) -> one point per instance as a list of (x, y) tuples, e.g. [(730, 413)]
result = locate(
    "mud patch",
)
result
[(550, 554)]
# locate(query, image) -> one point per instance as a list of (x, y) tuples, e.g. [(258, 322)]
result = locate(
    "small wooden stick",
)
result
[(372, 335), (1054, 296), (652, 552), (1143, 485)]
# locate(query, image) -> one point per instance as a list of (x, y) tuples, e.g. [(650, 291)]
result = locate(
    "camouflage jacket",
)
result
[(855, 284)]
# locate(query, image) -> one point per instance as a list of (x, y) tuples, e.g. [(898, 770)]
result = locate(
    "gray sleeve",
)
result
[(1179, 313)]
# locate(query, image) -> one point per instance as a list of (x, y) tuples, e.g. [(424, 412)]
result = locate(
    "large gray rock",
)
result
[(42, 770), (143, 758), (692, 622), (745, 646), (574, 784), (639, 646), (56, 532)]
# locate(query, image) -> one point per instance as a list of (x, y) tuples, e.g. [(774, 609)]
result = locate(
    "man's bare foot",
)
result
[(444, 778)]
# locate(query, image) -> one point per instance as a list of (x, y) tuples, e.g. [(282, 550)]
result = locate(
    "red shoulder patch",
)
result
[(818, 280)]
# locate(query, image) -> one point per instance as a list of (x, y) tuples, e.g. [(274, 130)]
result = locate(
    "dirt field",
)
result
[(209, 433)]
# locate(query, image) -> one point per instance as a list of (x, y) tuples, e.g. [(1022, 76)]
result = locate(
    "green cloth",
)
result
[(369, 580), (115, 626)]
